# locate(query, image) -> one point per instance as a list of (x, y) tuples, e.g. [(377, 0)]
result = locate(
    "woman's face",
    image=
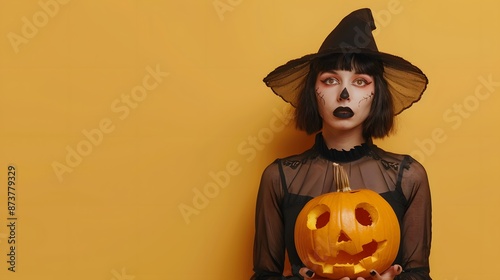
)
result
[(344, 99)]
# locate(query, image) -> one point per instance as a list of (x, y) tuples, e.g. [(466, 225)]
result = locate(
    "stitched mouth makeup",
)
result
[(343, 112)]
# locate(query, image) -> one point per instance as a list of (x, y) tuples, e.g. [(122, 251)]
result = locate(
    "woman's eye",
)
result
[(360, 82), (331, 81)]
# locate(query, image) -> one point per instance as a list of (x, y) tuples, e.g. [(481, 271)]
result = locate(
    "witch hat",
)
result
[(353, 34)]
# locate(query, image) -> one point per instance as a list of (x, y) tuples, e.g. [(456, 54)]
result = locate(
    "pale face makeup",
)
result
[(344, 99)]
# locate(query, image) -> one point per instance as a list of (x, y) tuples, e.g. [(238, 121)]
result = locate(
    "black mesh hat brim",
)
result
[(406, 82)]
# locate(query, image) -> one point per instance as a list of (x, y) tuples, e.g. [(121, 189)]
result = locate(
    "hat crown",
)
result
[(353, 33)]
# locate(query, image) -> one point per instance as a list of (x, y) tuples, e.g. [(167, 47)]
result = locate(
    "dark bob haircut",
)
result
[(380, 120)]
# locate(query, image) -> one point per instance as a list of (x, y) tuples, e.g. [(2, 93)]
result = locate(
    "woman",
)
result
[(347, 93)]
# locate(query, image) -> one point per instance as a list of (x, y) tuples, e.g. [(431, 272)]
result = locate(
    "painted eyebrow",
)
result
[(335, 72)]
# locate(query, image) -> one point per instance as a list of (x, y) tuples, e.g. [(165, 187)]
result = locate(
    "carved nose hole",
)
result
[(343, 237)]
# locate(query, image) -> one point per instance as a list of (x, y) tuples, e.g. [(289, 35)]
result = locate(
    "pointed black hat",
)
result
[(353, 34)]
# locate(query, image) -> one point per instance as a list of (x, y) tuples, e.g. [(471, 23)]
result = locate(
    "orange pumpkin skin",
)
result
[(347, 233)]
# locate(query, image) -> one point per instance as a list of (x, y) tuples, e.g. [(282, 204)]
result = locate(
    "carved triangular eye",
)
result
[(323, 220), (363, 217), (343, 237), (318, 217)]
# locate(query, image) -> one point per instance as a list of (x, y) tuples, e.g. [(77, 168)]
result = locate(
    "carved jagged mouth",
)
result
[(368, 250), (344, 258)]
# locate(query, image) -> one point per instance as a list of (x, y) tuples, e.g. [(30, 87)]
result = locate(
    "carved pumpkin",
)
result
[(347, 233)]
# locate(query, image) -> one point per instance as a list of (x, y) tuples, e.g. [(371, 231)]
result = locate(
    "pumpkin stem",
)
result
[(340, 178)]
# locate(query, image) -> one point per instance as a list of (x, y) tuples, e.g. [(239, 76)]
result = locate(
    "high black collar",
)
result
[(353, 154)]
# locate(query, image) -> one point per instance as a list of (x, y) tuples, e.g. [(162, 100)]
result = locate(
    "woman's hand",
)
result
[(309, 274), (389, 274)]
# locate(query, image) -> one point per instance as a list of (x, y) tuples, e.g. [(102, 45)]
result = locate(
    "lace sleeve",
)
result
[(416, 227), (269, 244)]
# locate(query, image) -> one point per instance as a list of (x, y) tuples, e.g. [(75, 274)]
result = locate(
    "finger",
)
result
[(393, 271), (306, 273), (399, 269), (374, 274)]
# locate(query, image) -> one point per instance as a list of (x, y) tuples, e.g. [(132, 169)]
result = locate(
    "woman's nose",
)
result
[(344, 95)]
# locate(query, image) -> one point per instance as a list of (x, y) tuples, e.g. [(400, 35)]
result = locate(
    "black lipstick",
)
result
[(343, 112)]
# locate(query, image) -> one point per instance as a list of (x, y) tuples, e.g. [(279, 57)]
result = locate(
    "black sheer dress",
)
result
[(288, 184)]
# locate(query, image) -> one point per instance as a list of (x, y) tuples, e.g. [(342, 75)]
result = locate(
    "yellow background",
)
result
[(210, 125)]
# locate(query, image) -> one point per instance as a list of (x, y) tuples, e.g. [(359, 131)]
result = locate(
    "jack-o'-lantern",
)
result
[(348, 232)]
